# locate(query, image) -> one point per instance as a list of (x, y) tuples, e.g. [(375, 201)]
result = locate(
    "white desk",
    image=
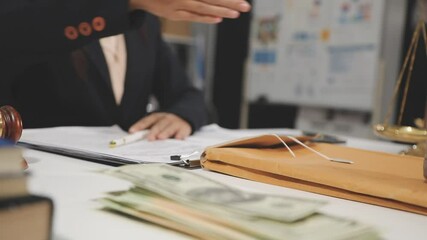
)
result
[(73, 184)]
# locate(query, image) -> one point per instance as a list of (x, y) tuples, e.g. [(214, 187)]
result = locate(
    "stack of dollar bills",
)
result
[(187, 202)]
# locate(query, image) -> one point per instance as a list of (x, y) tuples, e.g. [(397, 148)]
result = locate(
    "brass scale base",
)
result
[(405, 134), (416, 135)]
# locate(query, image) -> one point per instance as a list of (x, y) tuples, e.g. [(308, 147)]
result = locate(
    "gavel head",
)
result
[(10, 124)]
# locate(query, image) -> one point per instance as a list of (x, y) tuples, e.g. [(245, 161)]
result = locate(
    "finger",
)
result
[(202, 8), (142, 124), (183, 132), (169, 131), (158, 127), (152, 134), (145, 122), (194, 17), (237, 5), (179, 129)]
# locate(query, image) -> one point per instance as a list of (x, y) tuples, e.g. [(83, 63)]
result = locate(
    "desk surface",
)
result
[(73, 184)]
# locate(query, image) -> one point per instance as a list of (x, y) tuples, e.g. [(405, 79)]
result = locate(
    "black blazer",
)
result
[(34, 28), (73, 88)]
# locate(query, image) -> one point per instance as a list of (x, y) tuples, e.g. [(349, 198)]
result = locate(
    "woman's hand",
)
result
[(204, 11), (162, 126)]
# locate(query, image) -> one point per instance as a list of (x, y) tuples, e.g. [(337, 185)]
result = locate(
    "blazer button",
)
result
[(85, 29), (98, 24), (71, 33)]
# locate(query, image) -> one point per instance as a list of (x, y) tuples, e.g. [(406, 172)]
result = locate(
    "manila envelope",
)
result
[(378, 178)]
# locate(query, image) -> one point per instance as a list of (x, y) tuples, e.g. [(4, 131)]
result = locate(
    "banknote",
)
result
[(203, 225), (186, 186)]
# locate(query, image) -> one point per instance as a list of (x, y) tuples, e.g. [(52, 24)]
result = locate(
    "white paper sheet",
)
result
[(94, 141)]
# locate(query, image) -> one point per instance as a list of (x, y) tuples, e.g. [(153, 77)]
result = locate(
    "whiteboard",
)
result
[(316, 52)]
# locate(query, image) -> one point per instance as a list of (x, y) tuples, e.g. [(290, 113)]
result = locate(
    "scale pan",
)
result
[(401, 133)]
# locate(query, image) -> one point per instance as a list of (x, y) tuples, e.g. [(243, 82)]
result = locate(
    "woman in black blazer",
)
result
[(36, 27), (54, 71), (74, 88)]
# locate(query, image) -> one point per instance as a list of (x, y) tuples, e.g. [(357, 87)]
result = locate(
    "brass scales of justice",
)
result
[(415, 135)]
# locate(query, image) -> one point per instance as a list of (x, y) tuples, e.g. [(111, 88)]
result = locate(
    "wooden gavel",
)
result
[(10, 124)]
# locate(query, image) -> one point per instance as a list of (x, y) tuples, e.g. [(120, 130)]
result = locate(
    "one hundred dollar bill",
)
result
[(191, 188), (204, 225)]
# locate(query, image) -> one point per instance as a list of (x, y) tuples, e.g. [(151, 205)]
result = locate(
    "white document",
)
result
[(92, 143)]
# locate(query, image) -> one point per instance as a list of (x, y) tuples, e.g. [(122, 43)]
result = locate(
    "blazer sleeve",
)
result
[(42, 27), (173, 89)]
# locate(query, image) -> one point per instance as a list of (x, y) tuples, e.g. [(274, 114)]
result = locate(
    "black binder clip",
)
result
[(323, 138), (185, 161)]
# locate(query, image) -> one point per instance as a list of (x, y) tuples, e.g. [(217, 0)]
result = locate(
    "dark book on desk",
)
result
[(13, 184), (26, 217), (22, 216), (11, 159), (13, 178)]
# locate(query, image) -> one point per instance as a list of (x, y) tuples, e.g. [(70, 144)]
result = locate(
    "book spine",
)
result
[(26, 217), (425, 157)]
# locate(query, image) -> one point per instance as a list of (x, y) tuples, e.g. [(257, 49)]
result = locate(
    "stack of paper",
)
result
[(187, 202), (93, 143)]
